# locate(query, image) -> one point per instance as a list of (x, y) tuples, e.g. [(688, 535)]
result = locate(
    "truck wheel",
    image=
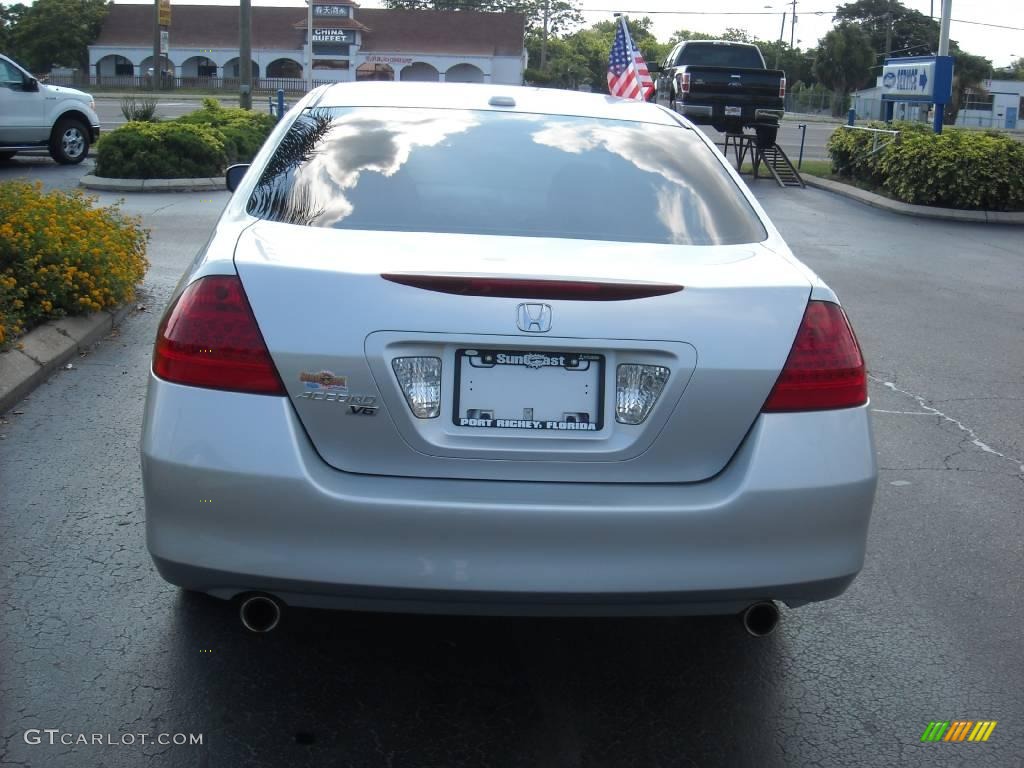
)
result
[(69, 142), (766, 137)]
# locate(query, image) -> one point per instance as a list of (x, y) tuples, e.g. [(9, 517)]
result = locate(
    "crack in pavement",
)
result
[(972, 436)]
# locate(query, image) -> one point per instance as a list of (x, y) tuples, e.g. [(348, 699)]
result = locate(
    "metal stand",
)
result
[(779, 166)]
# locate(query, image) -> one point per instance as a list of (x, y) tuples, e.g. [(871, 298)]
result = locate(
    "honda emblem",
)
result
[(534, 318)]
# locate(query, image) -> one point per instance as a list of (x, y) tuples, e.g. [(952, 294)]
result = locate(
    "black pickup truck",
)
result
[(725, 85)]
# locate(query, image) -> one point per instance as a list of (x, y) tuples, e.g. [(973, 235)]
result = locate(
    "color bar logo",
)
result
[(958, 730)]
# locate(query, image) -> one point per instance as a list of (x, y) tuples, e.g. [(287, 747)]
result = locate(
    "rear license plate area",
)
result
[(734, 111), (529, 390)]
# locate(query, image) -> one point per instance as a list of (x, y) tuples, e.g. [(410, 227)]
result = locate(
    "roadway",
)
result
[(93, 641)]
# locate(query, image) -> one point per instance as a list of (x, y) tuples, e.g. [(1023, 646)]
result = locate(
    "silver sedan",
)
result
[(472, 348)]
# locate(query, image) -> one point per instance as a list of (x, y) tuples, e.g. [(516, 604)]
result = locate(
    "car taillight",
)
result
[(684, 82), (825, 368), (210, 339), (782, 87)]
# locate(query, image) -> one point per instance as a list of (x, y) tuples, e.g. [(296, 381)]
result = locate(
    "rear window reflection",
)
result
[(479, 172)]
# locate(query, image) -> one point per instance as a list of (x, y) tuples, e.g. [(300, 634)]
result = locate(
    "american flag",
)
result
[(627, 71)]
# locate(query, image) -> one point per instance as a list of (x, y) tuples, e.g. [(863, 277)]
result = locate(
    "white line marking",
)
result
[(903, 413), (975, 440)]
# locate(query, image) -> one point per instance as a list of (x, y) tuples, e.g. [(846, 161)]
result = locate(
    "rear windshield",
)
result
[(718, 55), (491, 173)]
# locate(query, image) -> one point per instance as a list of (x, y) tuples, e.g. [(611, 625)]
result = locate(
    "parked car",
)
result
[(34, 115), (475, 348), (725, 85)]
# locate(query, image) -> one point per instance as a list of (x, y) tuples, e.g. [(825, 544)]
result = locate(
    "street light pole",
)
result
[(245, 55)]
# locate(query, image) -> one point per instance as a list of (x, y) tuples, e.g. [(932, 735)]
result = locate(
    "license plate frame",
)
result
[(734, 111), (534, 362)]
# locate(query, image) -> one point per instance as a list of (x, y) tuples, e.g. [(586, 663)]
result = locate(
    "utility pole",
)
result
[(782, 32), (544, 36), (888, 30), (156, 44), (947, 12), (792, 26), (245, 55)]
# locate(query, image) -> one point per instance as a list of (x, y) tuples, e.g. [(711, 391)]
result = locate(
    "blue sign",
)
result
[(918, 78)]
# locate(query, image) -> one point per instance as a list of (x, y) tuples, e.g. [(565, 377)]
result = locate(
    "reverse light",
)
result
[(782, 87), (420, 380), (825, 368), (637, 388), (210, 339)]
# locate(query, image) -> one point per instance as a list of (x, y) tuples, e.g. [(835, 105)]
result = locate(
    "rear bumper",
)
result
[(238, 500), (713, 112)]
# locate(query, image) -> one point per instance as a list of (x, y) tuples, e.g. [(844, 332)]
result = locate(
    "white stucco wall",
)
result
[(505, 70)]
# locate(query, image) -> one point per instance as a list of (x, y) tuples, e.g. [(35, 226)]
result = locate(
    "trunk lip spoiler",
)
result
[(532, 288)]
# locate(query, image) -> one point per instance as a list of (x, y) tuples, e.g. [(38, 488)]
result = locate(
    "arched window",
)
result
[(420, 72), (464, 73)]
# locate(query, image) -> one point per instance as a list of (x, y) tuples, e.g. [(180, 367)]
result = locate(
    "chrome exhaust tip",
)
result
[(260, 613), (761, 619)]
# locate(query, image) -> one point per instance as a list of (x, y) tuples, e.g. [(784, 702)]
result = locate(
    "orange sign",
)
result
[(164, 13)]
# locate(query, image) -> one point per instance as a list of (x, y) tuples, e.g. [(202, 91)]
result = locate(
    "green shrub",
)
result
[(955, 169), (170, 150), (851, 152), (60, 255), (243, 130)]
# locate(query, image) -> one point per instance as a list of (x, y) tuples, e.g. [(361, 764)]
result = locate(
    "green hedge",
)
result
[(196, 145), (243, 130), (970, 170), (170, 150)]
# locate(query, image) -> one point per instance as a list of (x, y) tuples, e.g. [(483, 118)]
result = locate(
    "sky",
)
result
[(763, 19)]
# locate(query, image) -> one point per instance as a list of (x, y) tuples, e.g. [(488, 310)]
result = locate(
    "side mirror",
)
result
[(233, 175), (654, 69), (30, 85)]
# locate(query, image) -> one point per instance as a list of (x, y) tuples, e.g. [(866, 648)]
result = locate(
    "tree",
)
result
[(968, 73), (1013, 72), (893, 29), (57, 32), (562, 15), (797, 64), (685, 34), (9, 17), (843, 61)]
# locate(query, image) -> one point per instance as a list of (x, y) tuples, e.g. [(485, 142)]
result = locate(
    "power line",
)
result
[(769, 13)]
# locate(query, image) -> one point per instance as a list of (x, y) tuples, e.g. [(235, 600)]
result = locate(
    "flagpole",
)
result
[(632, 54)]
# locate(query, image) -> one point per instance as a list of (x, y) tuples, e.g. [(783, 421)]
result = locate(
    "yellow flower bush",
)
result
[(61, 255)]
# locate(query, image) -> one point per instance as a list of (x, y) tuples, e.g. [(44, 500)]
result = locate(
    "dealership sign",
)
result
[(329, 35), (918, 78)]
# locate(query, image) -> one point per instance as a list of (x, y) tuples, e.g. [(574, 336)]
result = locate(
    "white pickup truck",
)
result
[(34, 115)]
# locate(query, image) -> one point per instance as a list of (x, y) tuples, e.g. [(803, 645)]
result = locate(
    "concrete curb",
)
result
[(47, 348), (103, 184), (906, 209)]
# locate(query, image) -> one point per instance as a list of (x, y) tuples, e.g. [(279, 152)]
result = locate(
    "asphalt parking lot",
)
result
[(92, 641)]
